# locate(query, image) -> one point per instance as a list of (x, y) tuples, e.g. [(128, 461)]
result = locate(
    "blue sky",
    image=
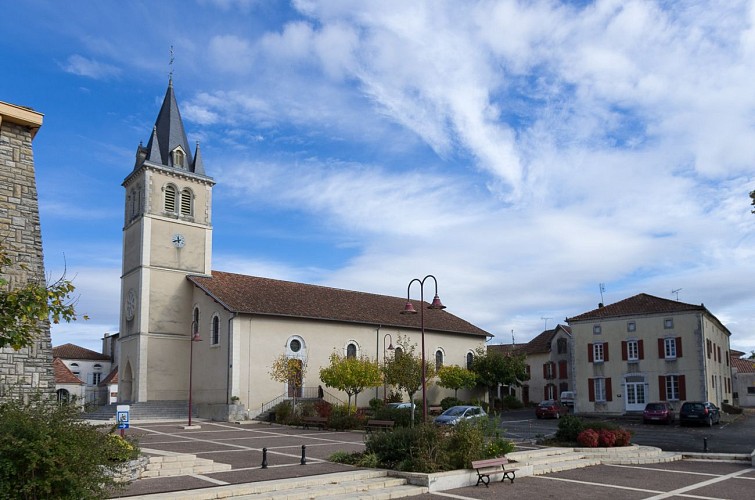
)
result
[(521, 152)]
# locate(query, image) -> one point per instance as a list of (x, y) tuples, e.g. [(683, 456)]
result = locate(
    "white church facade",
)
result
[(170, 294)]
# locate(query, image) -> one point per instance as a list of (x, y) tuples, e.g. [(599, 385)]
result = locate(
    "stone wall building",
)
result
[(29, 369)]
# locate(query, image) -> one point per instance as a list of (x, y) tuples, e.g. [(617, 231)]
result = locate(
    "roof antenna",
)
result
[(602, 287), (545, 327), (677, 293), (172, 58)]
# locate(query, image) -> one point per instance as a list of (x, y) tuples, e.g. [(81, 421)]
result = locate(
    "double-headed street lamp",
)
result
[(194, 338), (409, 309)]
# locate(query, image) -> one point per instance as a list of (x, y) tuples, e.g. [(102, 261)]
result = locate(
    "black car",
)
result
[(699, 412)]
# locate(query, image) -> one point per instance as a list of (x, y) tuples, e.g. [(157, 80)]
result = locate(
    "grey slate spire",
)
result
[(168, 134), (198, 166)]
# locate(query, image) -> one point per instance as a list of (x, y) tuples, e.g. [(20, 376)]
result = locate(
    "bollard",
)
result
[(264, 458), (705, 444), (303, 455)]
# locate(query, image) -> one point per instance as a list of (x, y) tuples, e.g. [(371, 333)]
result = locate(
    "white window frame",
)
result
[(356, 348), (672, 387), (439, 364), (600, 390), (598, 352), (633, 350), (669, 348)]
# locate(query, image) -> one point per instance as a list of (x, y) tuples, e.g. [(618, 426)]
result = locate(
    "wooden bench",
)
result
[(485, 468), (382, 425), (434, 410), (320, 422)]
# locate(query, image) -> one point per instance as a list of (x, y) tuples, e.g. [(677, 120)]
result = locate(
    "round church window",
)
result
[(295, 345)]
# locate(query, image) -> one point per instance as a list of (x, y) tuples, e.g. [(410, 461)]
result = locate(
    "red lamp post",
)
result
[(390, 348), (194, 338), (409, 309)]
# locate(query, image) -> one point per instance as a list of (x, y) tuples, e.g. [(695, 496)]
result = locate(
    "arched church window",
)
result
[(187, 202), (215, 330), (438, 359), (470, 358), (351, 350), (195, 322), (170, 199)]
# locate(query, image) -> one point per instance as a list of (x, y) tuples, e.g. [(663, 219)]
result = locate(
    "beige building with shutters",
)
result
[(645, 349)]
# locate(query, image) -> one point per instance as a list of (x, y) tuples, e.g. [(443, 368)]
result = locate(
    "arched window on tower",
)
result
[(438, 359), (470, 358), (187, 202), (170, 199)]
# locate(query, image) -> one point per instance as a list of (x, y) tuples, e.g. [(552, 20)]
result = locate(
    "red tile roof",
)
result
[(253, 295), (72, 351), (507, 349), (542, 343), (112, 378), (743, 365), (62, 374), (638, 305)]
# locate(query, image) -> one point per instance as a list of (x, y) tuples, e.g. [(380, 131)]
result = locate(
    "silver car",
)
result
[(456, 414)]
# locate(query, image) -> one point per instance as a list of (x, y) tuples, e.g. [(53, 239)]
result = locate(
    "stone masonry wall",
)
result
[(29, 369)]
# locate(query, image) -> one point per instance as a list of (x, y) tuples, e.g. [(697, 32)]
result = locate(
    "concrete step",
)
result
[(180, 464), (370, 488), (559, 466), (526, 455), (549, 459)]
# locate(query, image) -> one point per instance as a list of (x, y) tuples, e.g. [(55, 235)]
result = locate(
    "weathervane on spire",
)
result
[(171, 64)]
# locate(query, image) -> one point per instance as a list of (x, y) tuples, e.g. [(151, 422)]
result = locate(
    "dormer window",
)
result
[(179, 158)]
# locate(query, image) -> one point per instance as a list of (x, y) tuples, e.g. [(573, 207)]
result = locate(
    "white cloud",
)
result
[(82, 66)]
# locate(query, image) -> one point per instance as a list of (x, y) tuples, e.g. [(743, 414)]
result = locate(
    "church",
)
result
[(187, 331)]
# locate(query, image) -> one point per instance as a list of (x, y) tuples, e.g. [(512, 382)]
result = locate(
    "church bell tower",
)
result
[(167, 235)]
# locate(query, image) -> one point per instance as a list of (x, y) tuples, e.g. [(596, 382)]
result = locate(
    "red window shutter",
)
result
[(661, 351), (591, 389), (624, 355), (682, 388), (609, 394), (641, 349), (562, 370), (590, 358), (545, 370), (678, 347), (662, 387), (605, 351)]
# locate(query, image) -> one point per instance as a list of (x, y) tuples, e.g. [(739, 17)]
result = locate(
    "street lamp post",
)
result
[(390, 348), (194, 338), (409, 309)]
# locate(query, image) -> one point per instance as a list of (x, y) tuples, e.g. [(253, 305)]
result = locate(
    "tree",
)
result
[(404, 370), (351, 375), (455, 377), (493, 368), (47, 451), (289, 371), (25, 309)]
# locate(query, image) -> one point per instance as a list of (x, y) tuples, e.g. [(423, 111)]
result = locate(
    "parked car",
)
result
[(399, 406), (550, 408), (456, 414), (658, 412), (567, 398), (699, 412)]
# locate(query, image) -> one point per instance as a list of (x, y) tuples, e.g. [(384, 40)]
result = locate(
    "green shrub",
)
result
[(283, 412), (569, 428), (342, 418), (512, 403), (46, 451), (450, 401), (376, 404), (402, 417)]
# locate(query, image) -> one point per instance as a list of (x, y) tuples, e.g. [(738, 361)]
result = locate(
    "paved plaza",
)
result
[(241, 447)]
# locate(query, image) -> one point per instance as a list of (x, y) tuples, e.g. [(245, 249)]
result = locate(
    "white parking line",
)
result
[(695, 486)]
